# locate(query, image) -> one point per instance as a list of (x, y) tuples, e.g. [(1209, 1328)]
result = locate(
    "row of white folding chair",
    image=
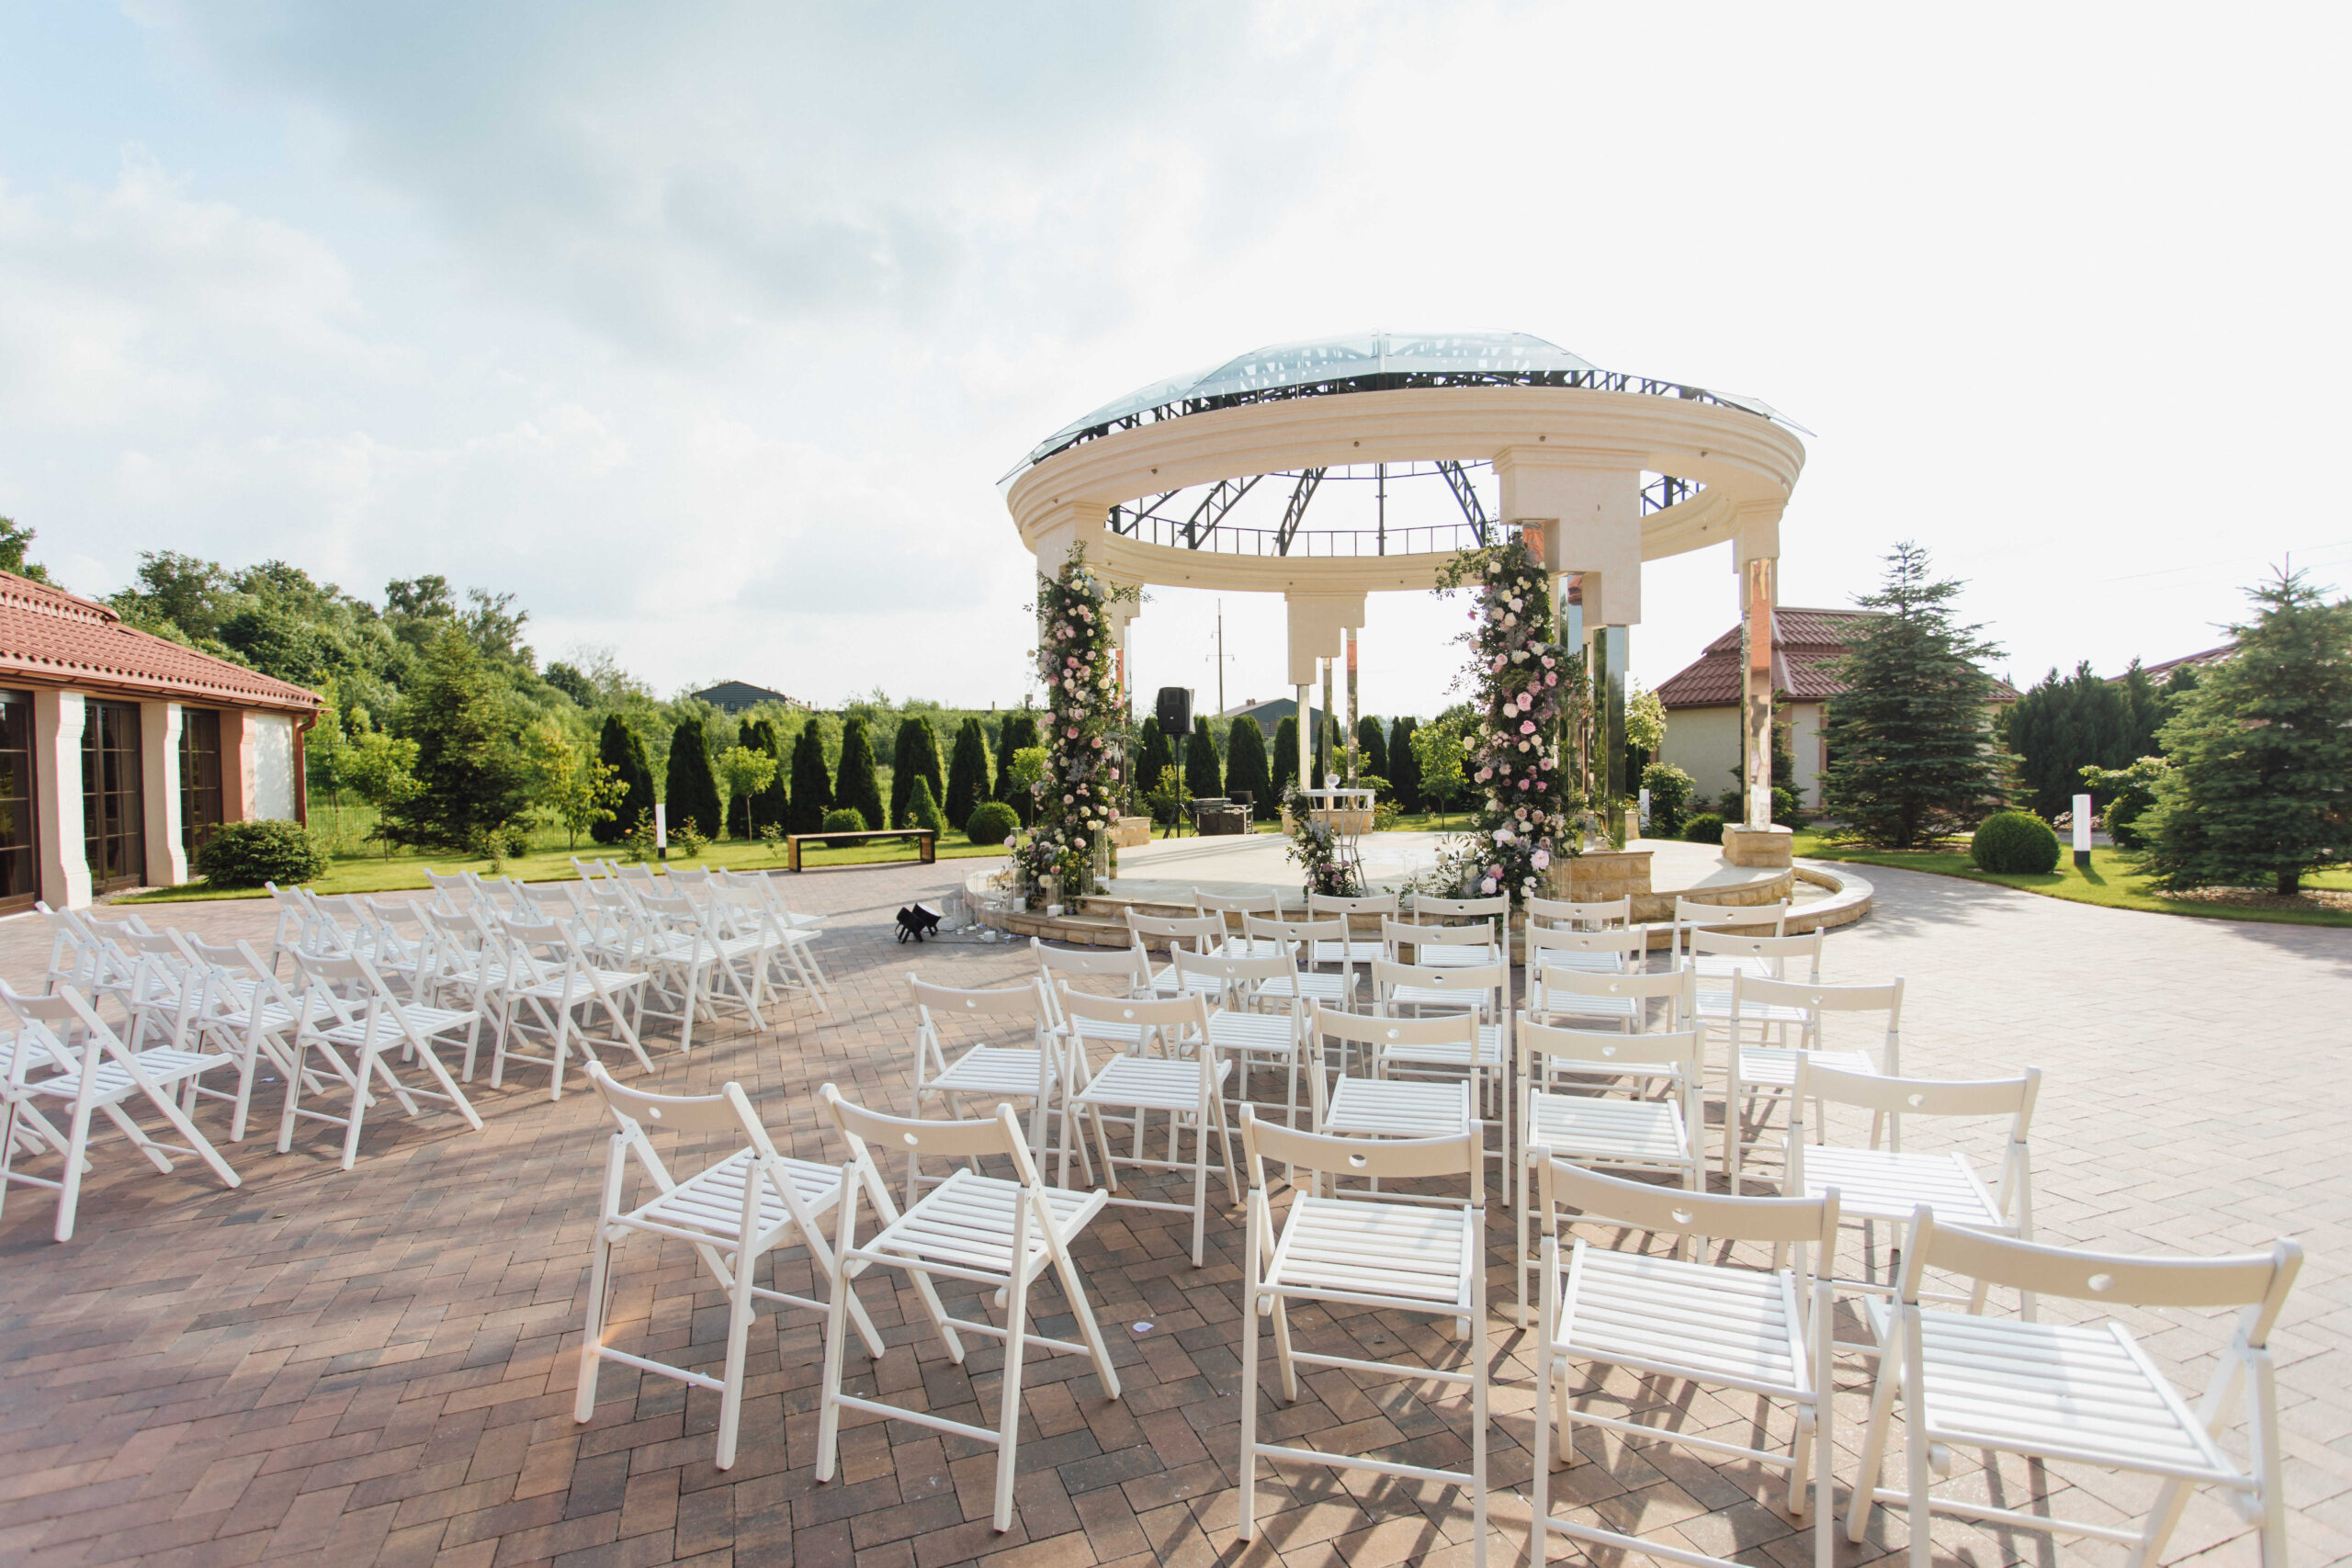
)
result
[(743, 917), (551, 987)]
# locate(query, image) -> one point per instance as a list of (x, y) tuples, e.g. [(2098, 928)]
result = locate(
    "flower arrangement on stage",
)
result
[(1084, 732), (1315, 847), (1526, 685)]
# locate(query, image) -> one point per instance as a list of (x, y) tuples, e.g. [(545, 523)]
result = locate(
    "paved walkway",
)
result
[(378, 1366)]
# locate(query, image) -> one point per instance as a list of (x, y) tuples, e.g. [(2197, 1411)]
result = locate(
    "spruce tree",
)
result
[(1910, 751), (915, 755), (1285, 762), (625, 754), (1245, 767), (2063, 724), (1203, 778), (1018, 733), (1372, 749), (1407, 776), (968, 773), (856, 785), (473, 781), (691, 791), (812, 790), (2261, 753), (1157, 757)]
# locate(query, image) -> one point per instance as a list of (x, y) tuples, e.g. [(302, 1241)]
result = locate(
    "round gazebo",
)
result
[(1212, 480)]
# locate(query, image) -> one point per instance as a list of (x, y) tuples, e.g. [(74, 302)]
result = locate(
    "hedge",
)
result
[(992, 822), (2013, 841), (246, 854)]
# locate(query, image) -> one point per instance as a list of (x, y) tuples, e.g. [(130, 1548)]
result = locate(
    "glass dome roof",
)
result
[(1365, 361)]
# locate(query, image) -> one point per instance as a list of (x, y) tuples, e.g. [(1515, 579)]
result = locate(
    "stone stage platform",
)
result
[(1160, 877)]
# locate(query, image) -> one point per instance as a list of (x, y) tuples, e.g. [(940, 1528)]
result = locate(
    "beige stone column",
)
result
[(1756, 687), (1319, 624), (62, 844), (159, 768)]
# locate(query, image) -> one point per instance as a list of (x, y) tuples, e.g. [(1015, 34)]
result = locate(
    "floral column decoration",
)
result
[(1524, 685), (1076, 649)]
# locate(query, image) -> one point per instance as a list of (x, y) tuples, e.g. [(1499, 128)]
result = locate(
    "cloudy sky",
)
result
[(708, 329)]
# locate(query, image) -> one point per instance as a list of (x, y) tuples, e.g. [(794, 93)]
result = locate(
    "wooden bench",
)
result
[(926, 842)]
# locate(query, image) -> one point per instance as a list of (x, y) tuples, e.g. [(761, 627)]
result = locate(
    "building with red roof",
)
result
[(1703, 701), (120, 750)]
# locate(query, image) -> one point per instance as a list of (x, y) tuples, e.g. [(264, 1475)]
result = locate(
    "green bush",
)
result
[(2013, 841), (1704, 828), (246, 854), (844, 819), (1672, 790), (923, 809), (992, 822)]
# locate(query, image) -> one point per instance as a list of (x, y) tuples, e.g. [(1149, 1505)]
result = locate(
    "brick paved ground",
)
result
[(378, 1366)]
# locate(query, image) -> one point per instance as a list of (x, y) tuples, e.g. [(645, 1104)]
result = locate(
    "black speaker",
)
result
[(1175, 711)]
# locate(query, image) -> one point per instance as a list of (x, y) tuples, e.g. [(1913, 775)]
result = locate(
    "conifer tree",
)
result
[(622, 751), (1245, 767), (914, 756), (1910, 751), (855, 785), (473, 783), (1407, 776), (1158, 758), (923, 808), (773, 804), (691, 791), (2063, 724), (1285, 768), (968, 773), (1372, 749), (2260, 783), (812, 790), (1203, 777), (1018, 733)]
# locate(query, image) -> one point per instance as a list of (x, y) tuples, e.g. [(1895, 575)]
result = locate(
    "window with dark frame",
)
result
[(113, 814), (199, 777), (19, 867)]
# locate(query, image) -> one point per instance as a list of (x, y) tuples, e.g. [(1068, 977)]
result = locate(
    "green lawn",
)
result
[(2109, 879)]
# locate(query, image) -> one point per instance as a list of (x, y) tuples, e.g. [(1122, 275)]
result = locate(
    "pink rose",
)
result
[(1526, 727)]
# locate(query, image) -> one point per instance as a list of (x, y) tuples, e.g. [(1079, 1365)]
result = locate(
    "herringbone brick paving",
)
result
[(378, 1366)]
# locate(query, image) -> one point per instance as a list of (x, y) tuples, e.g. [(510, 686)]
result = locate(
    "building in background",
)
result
[(739, 696), (120, 750), (1703, 701), (1269, 716)]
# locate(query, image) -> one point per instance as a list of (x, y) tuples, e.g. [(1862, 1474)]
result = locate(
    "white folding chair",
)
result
[(1227, 905), (1414, 991), (1566, 1076), (1038, 1072), (697, 967), (996, 1233), (1186, 1092), (1379, 1106), (84, 1069), (252, 1017), (1572, 915), (2078, 1394), (1125, 967), (1889, 1183), (1751, 1331), (1692, 914), (346, 1041), (1334, 988), (1201, 933), (1768, 1073), (1243, 1022), (1436, 947), (551, 979), (1578, 998), (1373, 906), (793, 964), (1492, 914), (733, 1212), (1358, 1250)]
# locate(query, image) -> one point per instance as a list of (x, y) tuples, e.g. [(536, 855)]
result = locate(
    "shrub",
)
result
[(923, 809), (915, 755), (844, 819), (246, 854), (1672, 790), (992, 822), (1704, 828), (2013, 841), (857, 787), (1018, 732)]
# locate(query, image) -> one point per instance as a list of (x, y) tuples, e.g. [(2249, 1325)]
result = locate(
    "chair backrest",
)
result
[(1022, 1001), (1377, 1031), (1396, 936), (1238, 903), (1478, 985), (2259, 1281), (1693, 912), (1547, 1050), (691, 878), (1628, 944), (1366, 904), (1203, 931), (2012, 1098), (1677, 1211), (456, 888), (1384, 1159), (873, 1132), (1178, 1017), (1129, 963), (1775, 951), (1822, 1000), (1568, 914), (1329, 928), (1230, 972), (1426, 910), (1677, 987), (728, 1111)]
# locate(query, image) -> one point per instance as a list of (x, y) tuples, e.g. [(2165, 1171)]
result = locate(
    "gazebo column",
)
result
[(1756, 842), (1319, 624), (1347, 733)]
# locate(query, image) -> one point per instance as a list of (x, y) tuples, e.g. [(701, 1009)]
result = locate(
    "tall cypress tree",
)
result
[(1245, 767), (1405, 777), (2260, 751), (625, 754), (1158, 758), (812, 790), (2062, 725), (856, 784), (1285, 768), (1372, 749), (691, 792), (1203, 778), (773, 804), (914, 756), (968, 773), (1018, 733), (1910, 751)]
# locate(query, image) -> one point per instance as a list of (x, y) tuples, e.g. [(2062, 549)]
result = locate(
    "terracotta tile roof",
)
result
[(57, 638), (2162, 672), (1806, 643)]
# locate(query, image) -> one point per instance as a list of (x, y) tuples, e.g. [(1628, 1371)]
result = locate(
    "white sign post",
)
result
[(660, 831), (1646, 807), (2081, 830)]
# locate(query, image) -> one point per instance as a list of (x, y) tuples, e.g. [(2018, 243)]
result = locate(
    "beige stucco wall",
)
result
[(1704, 743), (269, 766)]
